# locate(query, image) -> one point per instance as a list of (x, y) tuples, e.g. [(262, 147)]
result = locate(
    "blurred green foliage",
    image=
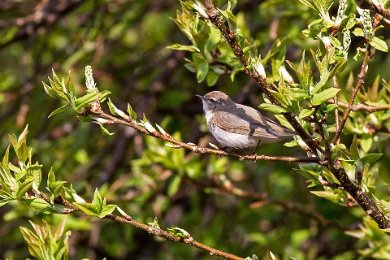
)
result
[(126, 44)]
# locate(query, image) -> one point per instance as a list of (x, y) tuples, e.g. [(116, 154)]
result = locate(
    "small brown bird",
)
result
[(236, 126)]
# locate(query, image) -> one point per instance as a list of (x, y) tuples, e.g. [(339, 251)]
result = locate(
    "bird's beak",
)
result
[(199, 96)]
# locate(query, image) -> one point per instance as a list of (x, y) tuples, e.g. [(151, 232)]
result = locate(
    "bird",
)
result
[(239, 127)]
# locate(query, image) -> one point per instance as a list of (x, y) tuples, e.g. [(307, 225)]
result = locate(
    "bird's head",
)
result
[(215, 100)]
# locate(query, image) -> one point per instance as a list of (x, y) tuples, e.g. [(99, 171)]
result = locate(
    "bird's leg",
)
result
[(254, 150)]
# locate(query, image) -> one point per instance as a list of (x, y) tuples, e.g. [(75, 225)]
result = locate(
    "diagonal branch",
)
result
[(266, 87), (360, 80), (363, 107), (69, 208), (377, 6), (228, 187)]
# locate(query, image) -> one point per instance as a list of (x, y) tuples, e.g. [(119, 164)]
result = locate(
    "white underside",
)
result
[(233, 140)]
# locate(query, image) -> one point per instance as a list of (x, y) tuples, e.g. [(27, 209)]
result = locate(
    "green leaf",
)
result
[(88, 208), (305, 113), (24, 187), (272, 108), (379, 44), (174, 185), (104, 130), (353, 149), (102, 95), (85, 100), (212, 79), (371, 158), (154, 224), (38, 204), (178, 232), (59, 110), (358, 32), (325, 95), (202, 71), (131, 112), (326, 195), (179, 47), (115, 111), (107, 210), (324, 79)]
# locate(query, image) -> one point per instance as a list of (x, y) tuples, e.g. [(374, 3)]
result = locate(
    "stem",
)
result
[(229, 188), (377, 6), (126, 219), (360, 80), (362, 107), (201, 150)]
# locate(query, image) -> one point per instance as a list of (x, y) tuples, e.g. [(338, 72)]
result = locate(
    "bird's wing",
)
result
[(240, 124), (264, 122)]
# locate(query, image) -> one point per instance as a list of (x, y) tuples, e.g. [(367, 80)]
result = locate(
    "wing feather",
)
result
[(241, 124)]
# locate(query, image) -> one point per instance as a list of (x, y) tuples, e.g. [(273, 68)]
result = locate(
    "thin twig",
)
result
[(228, 187), (360, 80), (200, 150), (363, 107), (336, 101), (126, 219), (377, 6)]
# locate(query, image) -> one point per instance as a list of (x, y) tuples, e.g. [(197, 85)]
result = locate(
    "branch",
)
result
[(229, 188), (362, 107), (377, 6), (193, 147), (215, 18), (126, 219), (364, 201), (360, 81)]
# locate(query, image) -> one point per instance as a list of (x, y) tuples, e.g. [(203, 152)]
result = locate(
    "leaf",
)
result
[(326, 195), (179, 232), (85, 100), (180, 47), (24, 187), (325, 95), (88, 208), (202, 71), (353, 149), (305, 113), (131, 112), (115, 111), (379, 44), (104, 130), (212, 79), (324, 79), (38, 204), (371, 158), (59, 110), (23, 136), (272, 108), (107, 210), (358, 32), (174, 185)]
